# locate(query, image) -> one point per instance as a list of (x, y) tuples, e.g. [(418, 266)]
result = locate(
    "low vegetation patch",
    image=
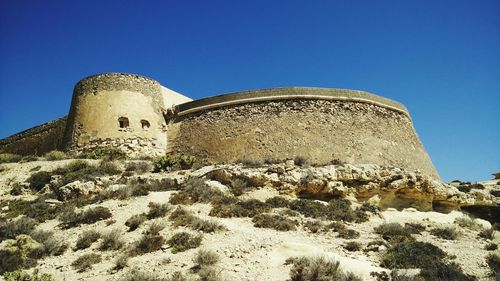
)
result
[(157, 210), (336, 209), (21, 252), (247, 208), (276, 222), (491, 247), (412, 255), (317, 268), (86, 261), (183, 241), (352, 246), (348, 234), (314, 226), (183, 217), (52, 245), (395, 232), (139, 167), (448, 233), (444, 271), (469, 223), (135, 221), (172, 162), (38, 180), (111, 240), (493, 261), (10, 158), (149, 243), (86, 239), (488, 233), (278, 202), (55, 155), (205, 258), (70, 218), (20, 275), (13, 228)]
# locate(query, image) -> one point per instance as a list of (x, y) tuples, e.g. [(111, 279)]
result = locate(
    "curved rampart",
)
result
[(322, 125), (116, 109)]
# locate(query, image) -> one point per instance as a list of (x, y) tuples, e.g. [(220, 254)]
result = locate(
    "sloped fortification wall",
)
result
[(37, 140), (117, 109), (319, 124)]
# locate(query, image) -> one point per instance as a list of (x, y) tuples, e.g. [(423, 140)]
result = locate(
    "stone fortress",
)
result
[(142, 117)]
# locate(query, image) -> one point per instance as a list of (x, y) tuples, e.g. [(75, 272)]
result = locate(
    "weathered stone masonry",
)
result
[(142, 117)]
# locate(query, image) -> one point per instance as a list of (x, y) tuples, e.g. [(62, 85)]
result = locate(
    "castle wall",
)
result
[(119, 110), (349, 126), (37, 140)]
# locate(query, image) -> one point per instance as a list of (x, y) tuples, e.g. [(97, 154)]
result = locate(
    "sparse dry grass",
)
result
[(317, 268), (111, 240)]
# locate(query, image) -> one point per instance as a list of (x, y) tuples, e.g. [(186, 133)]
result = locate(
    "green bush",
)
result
[(86, 262), (412, 255), (276, 222), (171, 162), (317, 268), (39, 179), (19, 253), (86, 239), (55, 155), (448, 233), (183, 241), (9, 158), (106, 153), (20, 275)]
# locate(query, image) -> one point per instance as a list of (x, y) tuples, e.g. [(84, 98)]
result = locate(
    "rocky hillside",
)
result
[(117, 220)]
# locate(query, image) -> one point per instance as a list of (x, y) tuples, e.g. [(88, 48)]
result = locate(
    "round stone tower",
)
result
[(118, 110)]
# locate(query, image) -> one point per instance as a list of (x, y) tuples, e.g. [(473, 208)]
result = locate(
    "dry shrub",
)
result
[(348, 234), (55, 155), (412, 255), (109, 168), (70, 218), (395, 232), (38, 180), (209, 274), (278, 202), (448, 233), (22, 225), (205, 258), (157, 210), (491, 247), (20, 275), (247, 208), (317, 268), (314, 226), (183, 241), (493, 261), (139, 167), (9, 158), (276, 222), (135, 221), (86, 239), (488, 233), (52, 245), (111, 240), (182, 217), (352, 246), (86, 261), (149, 243), (468, 222)]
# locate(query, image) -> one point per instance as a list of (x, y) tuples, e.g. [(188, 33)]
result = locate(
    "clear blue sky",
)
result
[(439, 58)]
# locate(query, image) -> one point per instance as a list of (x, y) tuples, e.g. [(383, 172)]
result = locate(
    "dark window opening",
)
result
[(145, 124), (123, 122)]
